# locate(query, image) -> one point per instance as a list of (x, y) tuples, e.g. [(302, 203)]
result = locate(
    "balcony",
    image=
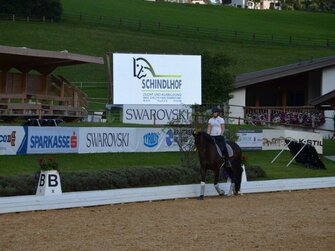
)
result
[(306, 116)]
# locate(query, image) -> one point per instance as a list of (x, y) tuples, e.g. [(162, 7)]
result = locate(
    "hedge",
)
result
[(114, 179)]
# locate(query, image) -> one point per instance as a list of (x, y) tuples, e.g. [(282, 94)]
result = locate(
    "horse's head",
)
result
[(196, 134), (202, 139)]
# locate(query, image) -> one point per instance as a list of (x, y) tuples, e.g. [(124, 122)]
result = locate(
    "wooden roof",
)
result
[(251, 78), (326, 101), (43, 61)]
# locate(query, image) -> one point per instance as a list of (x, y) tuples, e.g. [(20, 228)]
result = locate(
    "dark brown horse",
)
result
[(210, 159)]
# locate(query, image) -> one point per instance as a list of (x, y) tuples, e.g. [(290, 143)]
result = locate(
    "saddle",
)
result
[(229, 149)]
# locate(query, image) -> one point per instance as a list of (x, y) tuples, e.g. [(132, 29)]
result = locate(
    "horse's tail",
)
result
[(236, 162)]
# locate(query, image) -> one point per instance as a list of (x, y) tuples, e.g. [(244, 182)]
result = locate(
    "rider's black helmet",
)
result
[(215, 109)]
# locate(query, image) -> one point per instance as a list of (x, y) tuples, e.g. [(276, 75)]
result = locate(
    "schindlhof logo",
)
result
[(151, 139), (143, 70), (142, 67)]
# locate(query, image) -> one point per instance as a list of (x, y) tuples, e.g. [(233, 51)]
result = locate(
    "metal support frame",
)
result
[(286, 145), (281, 151)]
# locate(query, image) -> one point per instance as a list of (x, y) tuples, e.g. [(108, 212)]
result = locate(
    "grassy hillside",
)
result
[(99, 31), (277, 22)]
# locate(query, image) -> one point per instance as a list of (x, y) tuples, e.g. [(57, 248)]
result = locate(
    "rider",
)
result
[(216, 129)]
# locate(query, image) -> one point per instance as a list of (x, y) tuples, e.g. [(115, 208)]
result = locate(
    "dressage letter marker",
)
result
[(49, 183)]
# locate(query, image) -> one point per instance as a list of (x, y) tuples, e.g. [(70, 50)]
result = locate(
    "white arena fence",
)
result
[(128, 195)]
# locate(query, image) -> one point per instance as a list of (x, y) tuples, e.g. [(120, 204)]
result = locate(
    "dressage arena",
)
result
[(297, 220)]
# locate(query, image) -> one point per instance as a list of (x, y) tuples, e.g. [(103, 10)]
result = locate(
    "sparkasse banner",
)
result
[(156, 79), (157, 114), (52, 140)]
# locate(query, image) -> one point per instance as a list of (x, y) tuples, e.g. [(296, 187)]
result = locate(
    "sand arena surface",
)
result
[(297, 220)]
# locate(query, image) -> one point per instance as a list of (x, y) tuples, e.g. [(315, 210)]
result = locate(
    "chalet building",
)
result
[(325, 102), (257, 5), (28, 89), (290, 94)]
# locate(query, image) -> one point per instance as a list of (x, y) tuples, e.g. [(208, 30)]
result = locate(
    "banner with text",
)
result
[(157, 114), (121, 139), (250, 139), (275, 139), (52, 140), (156, 79), (12, 139)]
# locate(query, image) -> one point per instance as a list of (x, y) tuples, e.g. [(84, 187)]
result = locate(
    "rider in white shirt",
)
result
[(216, 130)]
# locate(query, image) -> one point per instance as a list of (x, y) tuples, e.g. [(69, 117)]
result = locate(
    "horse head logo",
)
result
[(142, 67)]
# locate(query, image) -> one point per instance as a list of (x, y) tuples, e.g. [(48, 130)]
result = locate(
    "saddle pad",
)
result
[(229, 149)]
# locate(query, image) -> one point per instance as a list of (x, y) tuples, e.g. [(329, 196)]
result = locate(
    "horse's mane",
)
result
[(206, 136)]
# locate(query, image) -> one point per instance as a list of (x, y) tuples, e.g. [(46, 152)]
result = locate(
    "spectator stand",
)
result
[(42, 122)]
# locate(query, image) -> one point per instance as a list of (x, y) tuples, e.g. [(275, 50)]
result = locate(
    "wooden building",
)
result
[(325, 102), (285, 94), (28, 89)]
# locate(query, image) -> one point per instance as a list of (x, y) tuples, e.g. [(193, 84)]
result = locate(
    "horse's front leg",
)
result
[(232, 187), (216, 182), (202, 183)]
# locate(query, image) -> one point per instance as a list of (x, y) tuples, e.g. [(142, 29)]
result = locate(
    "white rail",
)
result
[(116, 196)]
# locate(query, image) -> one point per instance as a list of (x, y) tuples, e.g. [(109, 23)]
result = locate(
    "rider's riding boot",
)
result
[(228, 164)]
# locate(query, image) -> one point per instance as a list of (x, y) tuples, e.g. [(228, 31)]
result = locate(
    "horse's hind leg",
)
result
[(202, 183), (216, 183)]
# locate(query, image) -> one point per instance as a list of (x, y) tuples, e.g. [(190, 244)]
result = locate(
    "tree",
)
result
[(50, 9), (217, 80)]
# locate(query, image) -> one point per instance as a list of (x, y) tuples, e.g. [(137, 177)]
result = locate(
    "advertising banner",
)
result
[(107, 139), (250, 139), (12, 139), (121, 139), (156, 79), (157, 114), (52, 140), (275, 139)]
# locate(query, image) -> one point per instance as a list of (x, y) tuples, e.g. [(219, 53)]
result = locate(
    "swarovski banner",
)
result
[(121, 139), (156, 79), (12, 139), (275, 139), (157, 114)]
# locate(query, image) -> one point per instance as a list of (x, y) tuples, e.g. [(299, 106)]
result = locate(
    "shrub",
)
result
[(254, 172)]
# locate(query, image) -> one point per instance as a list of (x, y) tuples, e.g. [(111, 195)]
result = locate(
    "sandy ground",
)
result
[(297, 220)]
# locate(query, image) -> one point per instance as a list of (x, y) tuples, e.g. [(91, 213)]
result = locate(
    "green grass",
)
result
[(329, 147), (28, 164), (279, 170), (277, 22), (85, 40)]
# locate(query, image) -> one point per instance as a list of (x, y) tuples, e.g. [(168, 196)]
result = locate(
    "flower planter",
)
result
[(49, 183)]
